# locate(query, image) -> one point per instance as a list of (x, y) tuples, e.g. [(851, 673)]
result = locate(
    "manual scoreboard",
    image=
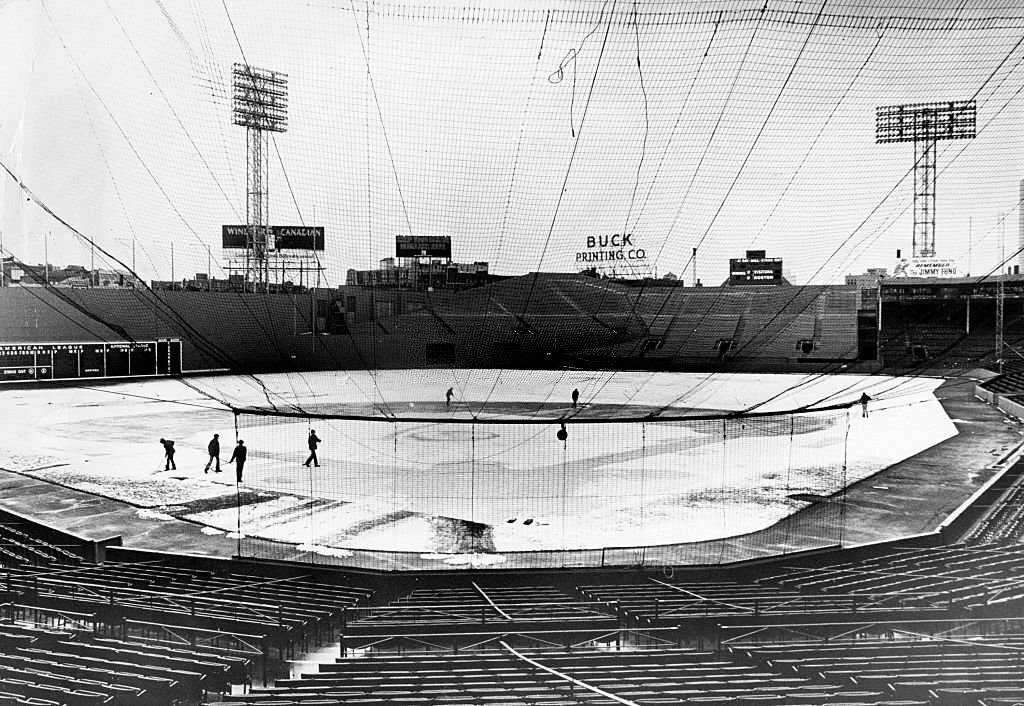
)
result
[(78, 360)]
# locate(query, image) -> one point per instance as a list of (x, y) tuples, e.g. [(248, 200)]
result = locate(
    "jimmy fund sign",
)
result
[(617, 248)]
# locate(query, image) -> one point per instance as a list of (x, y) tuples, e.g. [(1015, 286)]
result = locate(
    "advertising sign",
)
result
[(283, 237), (234, 237), (298, 237), (615, 248), (926, 267), (423, 246)]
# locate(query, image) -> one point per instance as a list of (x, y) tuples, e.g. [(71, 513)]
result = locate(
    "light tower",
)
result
[(924, 124), (260, 106)]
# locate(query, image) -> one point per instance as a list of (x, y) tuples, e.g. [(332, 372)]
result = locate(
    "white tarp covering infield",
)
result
[(426, 486)]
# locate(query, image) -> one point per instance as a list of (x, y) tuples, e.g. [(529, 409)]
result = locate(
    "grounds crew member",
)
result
[(168, 454), (238, 456), (213, 448), (313, 441)]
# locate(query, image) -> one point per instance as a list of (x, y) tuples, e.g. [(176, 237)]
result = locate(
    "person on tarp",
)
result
[(168, 454), (213, 448), (312, 442), (238, 456), (864, 399), (575, 397), (448, 397)]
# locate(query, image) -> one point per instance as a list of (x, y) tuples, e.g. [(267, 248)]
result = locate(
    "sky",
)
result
[(519, 129)]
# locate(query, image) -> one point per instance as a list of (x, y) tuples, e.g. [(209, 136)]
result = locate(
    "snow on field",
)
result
[(458, 487)]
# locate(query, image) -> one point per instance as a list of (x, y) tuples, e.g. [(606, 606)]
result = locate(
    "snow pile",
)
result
[(146, 514), (475, 561), (323, 551)]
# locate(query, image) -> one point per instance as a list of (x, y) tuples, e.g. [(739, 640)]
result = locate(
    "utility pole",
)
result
[(1000, 296), (970, 242)]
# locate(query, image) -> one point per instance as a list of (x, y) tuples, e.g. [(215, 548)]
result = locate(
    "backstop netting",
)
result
[(401, 492), (537, 135)]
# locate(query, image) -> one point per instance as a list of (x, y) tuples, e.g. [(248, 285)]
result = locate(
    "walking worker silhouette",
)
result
[(238, 456), (864, 399), (168, 454), (448, 397), (313, 441), (213, 448), (575, 397)]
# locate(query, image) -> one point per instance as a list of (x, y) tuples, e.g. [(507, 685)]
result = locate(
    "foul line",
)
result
[(560, 675)]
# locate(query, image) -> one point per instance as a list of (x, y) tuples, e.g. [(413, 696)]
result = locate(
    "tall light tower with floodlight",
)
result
[(260, 106), (925, 124)]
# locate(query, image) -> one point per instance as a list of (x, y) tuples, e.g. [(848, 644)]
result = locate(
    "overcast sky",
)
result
[(516, 130)]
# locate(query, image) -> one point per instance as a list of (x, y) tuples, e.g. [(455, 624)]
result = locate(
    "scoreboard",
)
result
[(82, 360), (755, 268)]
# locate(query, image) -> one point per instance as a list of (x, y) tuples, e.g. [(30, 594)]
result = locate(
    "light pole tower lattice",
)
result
[(260, 106), (924, 124)]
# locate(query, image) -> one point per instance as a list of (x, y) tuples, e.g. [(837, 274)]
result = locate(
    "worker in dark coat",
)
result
[(312, 442), (238, 456), (168, 454), (213, 448)]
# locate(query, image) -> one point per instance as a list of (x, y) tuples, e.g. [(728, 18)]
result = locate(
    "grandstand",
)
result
[(894, 623), (527, 321)]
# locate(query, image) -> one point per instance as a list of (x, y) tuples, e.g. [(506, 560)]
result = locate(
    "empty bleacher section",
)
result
[(535, 319), (888, 624), (768, 327), (1009, 383), (978, 577), (19, 547), (940, 669), (657, 602), (551, 676), (148, 631), (1003, 520), (476, 607), (529, 320), (67, 665), (936, 325), (285, 613)]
